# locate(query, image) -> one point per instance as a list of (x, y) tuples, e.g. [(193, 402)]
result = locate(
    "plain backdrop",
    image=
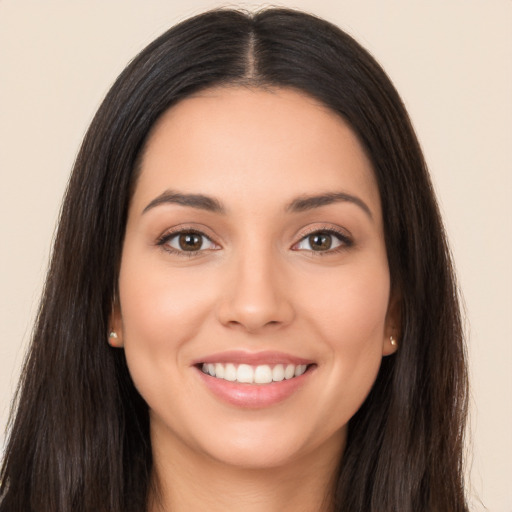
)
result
[(451, 60)]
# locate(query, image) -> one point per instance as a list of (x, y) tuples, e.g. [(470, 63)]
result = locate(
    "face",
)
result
[(254, 286)]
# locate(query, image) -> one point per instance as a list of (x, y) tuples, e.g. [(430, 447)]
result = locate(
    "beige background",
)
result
[(451, 61)]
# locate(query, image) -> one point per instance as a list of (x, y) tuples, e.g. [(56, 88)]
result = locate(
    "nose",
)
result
[(255, 296)]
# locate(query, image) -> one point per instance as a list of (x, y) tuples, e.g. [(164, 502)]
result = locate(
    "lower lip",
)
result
[(254, 396)]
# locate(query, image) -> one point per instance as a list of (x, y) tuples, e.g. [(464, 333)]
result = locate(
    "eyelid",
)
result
[(162, 240), (341, 234)]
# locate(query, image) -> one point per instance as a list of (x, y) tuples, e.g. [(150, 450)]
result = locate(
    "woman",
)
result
[(251, 302)]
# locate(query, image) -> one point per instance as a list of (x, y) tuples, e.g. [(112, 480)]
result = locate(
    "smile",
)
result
[(254, 380), (248, 374)]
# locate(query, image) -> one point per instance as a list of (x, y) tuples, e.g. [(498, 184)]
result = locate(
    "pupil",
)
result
[(190, 242), (320, 242)]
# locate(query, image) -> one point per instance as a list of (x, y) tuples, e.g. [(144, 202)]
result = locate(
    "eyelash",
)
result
[(164, 240), (346, 241)]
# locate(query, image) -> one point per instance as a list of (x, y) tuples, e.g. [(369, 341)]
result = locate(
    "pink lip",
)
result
[(253, 396), (252, 358)]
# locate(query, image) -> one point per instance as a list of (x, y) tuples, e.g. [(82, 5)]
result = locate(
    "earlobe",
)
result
[(113, 339), (115, 334), (390, 346), (393, 320)]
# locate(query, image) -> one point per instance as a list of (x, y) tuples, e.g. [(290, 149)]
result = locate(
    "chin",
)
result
[(269, 446)]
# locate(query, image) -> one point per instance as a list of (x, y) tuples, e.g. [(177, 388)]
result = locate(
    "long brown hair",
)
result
[(79, 436)]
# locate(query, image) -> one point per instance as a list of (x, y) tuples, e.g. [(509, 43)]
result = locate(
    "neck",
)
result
[(184, 481)]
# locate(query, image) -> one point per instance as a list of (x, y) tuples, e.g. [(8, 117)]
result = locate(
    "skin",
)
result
[(256, 284)]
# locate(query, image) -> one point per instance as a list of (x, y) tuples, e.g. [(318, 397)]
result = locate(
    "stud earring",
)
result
[(392, 341), (112, 336)]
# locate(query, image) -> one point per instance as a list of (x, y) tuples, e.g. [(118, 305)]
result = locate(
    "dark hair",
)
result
[(79, 439)]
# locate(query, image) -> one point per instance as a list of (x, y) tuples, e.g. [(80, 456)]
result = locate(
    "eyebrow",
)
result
[(300, 204), (198, 201), (305, 203)]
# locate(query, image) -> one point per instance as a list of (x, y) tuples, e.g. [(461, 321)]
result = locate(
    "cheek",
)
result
[(160, 305), (351, 307), (161, 312), (351, 323)]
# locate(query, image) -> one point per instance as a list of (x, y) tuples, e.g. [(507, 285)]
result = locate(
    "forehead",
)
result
[(252, 143)]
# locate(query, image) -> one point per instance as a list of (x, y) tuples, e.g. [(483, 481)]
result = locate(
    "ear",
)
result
[(115, 332), (392, 331)]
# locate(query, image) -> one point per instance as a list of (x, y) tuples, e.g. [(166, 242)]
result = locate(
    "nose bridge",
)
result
[(256, 295)]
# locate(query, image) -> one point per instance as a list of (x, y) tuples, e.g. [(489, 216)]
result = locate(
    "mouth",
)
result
[(254, 380), (254, 374)]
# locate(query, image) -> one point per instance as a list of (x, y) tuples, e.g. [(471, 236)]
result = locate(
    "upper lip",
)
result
[(252, 358)]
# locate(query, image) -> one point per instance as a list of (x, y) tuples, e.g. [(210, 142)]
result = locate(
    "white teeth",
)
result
[(289, 371), (278, 373), (230, 372), (245, 373), (261, 374), (219, 371), (299, 370)]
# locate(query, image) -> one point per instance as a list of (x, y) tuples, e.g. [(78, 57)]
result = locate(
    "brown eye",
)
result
[(190, 242), (323, 241), (320, 241)]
